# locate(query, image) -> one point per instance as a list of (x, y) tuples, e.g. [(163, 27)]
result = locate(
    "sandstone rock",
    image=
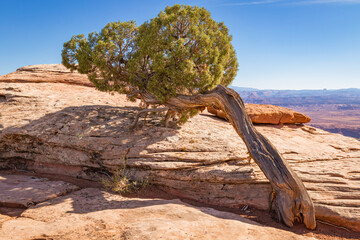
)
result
[(24, 102), (57, 73), (87, 132), (23, 191), (46, 73), (268, 114), (4, 218), (94, 214)]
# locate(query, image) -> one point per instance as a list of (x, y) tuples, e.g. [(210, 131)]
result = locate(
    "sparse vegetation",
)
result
[(123, 181), (183, 60), (182, 51)]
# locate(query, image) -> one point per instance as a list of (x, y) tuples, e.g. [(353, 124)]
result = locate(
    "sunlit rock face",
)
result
[(78, 131), (268, 114), (54, 73), (94, 214)]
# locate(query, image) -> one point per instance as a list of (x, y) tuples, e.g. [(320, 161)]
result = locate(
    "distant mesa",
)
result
[(300, 97), (347, 107), (336, 111)]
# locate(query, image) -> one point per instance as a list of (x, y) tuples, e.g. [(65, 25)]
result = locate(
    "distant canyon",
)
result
[(336, 111)]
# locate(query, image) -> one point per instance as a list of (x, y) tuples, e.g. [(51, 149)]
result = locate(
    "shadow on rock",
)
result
[(80, 140)]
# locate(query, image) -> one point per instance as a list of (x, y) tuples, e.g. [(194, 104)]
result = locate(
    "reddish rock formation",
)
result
[(78, 131), (268, 114), (24, 191), (94, 214), (50, 73), (57, 73)]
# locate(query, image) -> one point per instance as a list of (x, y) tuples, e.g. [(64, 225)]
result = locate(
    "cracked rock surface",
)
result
[(94, 214), (55, 73), (24, 191), (80, 132)]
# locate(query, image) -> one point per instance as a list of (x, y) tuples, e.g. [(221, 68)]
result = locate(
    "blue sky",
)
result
[(293, 44)]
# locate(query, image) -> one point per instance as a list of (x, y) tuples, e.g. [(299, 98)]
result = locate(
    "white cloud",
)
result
[(289, 2), (245, 3)]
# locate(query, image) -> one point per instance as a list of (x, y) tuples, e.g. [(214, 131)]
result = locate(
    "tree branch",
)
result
[(291, 200)]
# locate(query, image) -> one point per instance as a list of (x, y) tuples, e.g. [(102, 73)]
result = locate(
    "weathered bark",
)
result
[(290, 199)]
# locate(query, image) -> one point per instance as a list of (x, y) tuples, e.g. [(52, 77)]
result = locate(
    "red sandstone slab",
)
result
[(24, 191)]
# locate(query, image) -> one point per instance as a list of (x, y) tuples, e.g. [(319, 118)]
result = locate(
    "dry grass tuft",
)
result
[(123, 181)]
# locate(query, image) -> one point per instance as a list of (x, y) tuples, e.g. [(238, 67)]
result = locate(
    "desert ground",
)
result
[(59, 139)]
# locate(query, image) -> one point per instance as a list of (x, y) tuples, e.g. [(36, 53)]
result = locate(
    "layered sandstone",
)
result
[(55, 73), (78, 131), (268, 114), (24, 191), (94, 214)]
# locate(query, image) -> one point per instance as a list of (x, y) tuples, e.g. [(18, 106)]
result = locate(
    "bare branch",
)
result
[(291, 200)]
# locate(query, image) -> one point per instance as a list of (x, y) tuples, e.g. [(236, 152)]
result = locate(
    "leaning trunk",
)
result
[(289, 199)]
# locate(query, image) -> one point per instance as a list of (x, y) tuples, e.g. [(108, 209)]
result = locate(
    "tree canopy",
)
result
[(182, 51), (184, 60)]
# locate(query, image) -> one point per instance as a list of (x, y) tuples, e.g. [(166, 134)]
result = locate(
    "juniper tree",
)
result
[(184, 60)]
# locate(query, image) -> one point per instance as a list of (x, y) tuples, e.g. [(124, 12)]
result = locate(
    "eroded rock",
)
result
[(25, 102), (57, 73), (46, 73), (81, 132), (268, 114), (94, 214), (23, 191)]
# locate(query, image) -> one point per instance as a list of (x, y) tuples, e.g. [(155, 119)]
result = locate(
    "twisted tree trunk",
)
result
[(290, 199)]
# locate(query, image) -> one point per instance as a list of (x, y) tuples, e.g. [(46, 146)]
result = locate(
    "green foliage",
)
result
[(181, 51), (103, 56), (185, 115), (189, 52)]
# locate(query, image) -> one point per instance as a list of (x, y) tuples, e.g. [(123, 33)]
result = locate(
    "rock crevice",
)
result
[(75, 130)]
